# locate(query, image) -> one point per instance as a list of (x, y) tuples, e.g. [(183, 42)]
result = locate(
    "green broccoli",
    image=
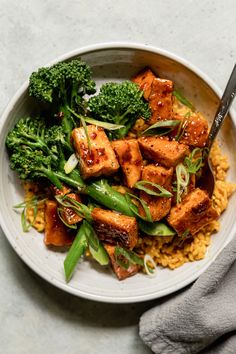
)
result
[(119, 103), (36, 150), (63, 85)]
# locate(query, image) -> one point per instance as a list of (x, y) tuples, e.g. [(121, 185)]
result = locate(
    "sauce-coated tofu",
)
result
[(114, 228), (56, 233), (121, 272), (158, 92), (130, 159), (161, 150), (160, 100), (195, 131), (194, 212), (159, 206), (98, 161), (68, 214), (145, 79)]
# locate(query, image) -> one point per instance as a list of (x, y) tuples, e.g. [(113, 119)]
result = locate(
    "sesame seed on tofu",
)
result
[(100, 159)]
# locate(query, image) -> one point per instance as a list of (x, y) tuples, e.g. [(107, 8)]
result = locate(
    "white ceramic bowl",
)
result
[(114, 62)]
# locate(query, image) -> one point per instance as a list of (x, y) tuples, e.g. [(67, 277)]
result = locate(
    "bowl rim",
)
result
[(10, 107)]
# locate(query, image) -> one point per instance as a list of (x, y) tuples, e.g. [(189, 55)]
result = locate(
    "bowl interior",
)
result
[(92, 281)]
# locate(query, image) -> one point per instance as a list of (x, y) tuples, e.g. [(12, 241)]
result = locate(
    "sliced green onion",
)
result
[(91, 236), (185, 233), (25, 225), (180, 97), (194, 164), (81, 118), (156, 228), (144, 205), (100, 255), (31, 203), (79, 208), (76, 250), (182, 126), (182, 176), (105, 125), (129, 257), (70, 164), (162, 127), (163, 192), (59, 213), (149, 270)]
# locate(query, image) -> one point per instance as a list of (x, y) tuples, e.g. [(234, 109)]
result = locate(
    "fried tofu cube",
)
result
[(130, 159), (159, 206), (121, 272), (195, 131), (144, 79), (68, 214), (56, 233), (100, 159), (161, 150), (158, 92), (114, 228), (160, 100), (194, 212)]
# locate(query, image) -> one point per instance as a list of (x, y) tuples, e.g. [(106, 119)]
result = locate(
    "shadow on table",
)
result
[(69, 306)]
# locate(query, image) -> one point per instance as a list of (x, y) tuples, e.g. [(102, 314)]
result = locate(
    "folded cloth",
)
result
[(201, 319)]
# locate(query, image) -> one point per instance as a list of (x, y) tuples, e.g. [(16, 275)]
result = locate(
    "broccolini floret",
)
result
[(119, 103), (36, 151), (64, 86)]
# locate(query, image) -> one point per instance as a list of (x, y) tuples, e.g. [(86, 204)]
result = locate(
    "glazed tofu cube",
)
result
[(121, 273), (160, 100), (68, 214), (98, 161), (130, 159), (159, 206), (194, 212), (161, 150), (195, 132), (114, 228), (56, 233), (145, 79)]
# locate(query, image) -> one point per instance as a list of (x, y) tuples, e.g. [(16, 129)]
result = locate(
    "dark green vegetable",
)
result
[(119, 103), (180, 97), (162, 191), (161, 128), (156, 228), (63, 85), (76, 250)]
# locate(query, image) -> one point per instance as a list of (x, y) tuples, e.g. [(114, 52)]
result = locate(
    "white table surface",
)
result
[(35, 317)]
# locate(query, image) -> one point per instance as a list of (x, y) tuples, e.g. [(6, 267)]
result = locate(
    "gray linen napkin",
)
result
[(200, 319)]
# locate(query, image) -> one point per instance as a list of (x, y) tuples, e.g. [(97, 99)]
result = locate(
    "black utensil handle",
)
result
[(224, 106)]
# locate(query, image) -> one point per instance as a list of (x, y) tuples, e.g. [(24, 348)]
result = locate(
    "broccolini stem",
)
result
[(107, 196), (71, 180)]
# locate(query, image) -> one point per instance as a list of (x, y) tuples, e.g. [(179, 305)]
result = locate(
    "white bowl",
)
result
[(116, 62)]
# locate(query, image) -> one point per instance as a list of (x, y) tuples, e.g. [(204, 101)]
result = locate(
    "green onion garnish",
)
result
[(180, 97), (76, 250), (134, 208), (162, 127), (182, 176), (162, 191), (194, 163)]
